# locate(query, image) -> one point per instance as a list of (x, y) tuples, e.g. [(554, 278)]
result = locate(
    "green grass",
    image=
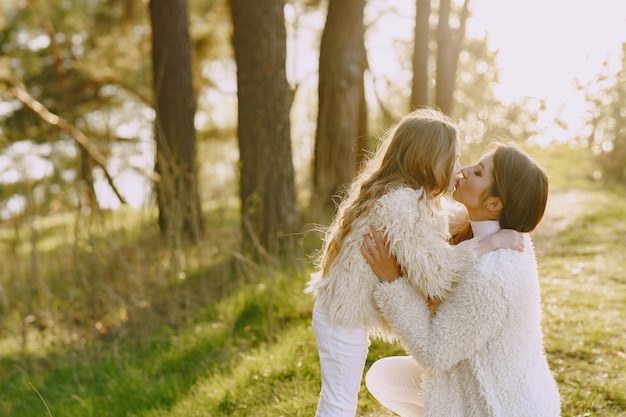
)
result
[(584, 293), (109, 327)]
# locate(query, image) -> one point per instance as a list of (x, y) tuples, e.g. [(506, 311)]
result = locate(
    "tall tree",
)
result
[(419, 91), (449, 42), (175, 105), (268, 198), (341, 67), (363, 141)]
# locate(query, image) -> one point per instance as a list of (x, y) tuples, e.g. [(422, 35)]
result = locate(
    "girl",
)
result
[(398, 191), (482, 351)]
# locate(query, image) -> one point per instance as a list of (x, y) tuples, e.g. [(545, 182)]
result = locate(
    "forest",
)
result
[(167, 168)]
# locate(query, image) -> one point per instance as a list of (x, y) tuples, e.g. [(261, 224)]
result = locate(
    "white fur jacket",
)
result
[(417, 230), (483, 348)]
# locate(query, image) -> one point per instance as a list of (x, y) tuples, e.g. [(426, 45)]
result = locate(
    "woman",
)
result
[(481, 352)]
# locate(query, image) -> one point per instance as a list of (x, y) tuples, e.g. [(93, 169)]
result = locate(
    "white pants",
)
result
[(396, 382), (342, 352)]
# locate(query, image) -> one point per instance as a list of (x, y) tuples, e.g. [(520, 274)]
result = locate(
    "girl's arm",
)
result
[(502, 239), (418, 237), (376, 251)]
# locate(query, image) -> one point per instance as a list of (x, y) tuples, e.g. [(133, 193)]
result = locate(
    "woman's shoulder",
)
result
[(503, 260), (507, 268)]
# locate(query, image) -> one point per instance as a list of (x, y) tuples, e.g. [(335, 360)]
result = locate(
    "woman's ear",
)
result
[(494, 205)]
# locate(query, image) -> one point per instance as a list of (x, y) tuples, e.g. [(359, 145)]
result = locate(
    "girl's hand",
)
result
[(502, 239), (375, 249)]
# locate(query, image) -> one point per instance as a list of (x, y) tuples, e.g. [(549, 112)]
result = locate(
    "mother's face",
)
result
[(472, 190)]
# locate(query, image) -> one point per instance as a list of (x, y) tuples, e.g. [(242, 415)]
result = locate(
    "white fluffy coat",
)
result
[(484, 346), (417, 230)]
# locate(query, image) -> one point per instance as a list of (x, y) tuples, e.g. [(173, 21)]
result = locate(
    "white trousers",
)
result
[(397, 383), (342, 353)]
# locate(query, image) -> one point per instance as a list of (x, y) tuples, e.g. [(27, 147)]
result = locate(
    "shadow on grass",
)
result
[(149, 366)]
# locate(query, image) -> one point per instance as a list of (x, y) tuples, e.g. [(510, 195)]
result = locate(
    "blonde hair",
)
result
[(419, 152)]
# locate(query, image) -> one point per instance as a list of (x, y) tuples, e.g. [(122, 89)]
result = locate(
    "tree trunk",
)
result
[(419, 92), (448, 50), (175, 105), (363, 142), (87, 189), (268, 199), (444, 84), (341, 67)]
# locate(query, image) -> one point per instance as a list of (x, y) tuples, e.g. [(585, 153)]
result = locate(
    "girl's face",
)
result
[(472, 189), (456, 168)]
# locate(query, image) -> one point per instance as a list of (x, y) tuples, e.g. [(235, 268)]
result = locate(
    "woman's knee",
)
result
[(376, 375)]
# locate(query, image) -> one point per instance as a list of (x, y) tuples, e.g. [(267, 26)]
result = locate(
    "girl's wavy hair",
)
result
[(419, 152)]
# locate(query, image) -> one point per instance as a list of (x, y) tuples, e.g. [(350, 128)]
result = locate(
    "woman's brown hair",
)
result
[(419, 152), (522, 185)]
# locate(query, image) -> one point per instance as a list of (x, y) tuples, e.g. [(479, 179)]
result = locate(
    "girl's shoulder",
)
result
[(409, 204), (404, 194)]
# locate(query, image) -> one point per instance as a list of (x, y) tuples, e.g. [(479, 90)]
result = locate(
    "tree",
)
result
[(421, 51), (341, 67), (268, 199), (449, 42), (446, 49), (174, 102), (362, 142), (68, 102), (480, 113)]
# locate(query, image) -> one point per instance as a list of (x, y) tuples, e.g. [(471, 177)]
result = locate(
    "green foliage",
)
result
[(126, 329), (85, 61), (567, 166), (606, 129), (100, 318), (584, 294)]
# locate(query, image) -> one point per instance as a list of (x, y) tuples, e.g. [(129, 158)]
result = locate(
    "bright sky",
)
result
[(545, 45)]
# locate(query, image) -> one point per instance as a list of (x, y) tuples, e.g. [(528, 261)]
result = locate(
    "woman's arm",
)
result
[(472, 315), (376, 251)]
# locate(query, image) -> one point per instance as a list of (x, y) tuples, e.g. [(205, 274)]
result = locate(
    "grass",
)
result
[(584, 293), (110, 323)]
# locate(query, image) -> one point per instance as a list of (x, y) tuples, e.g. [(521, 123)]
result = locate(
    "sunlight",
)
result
[(8, 107), (546, 46), (25, 161), (39, 42), (13, 206)]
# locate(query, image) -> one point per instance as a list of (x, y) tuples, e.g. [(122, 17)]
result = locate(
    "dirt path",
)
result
[(564, 207)]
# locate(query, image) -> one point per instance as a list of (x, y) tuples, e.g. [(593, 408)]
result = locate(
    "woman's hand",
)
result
[(502, 239), (375, 249)]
